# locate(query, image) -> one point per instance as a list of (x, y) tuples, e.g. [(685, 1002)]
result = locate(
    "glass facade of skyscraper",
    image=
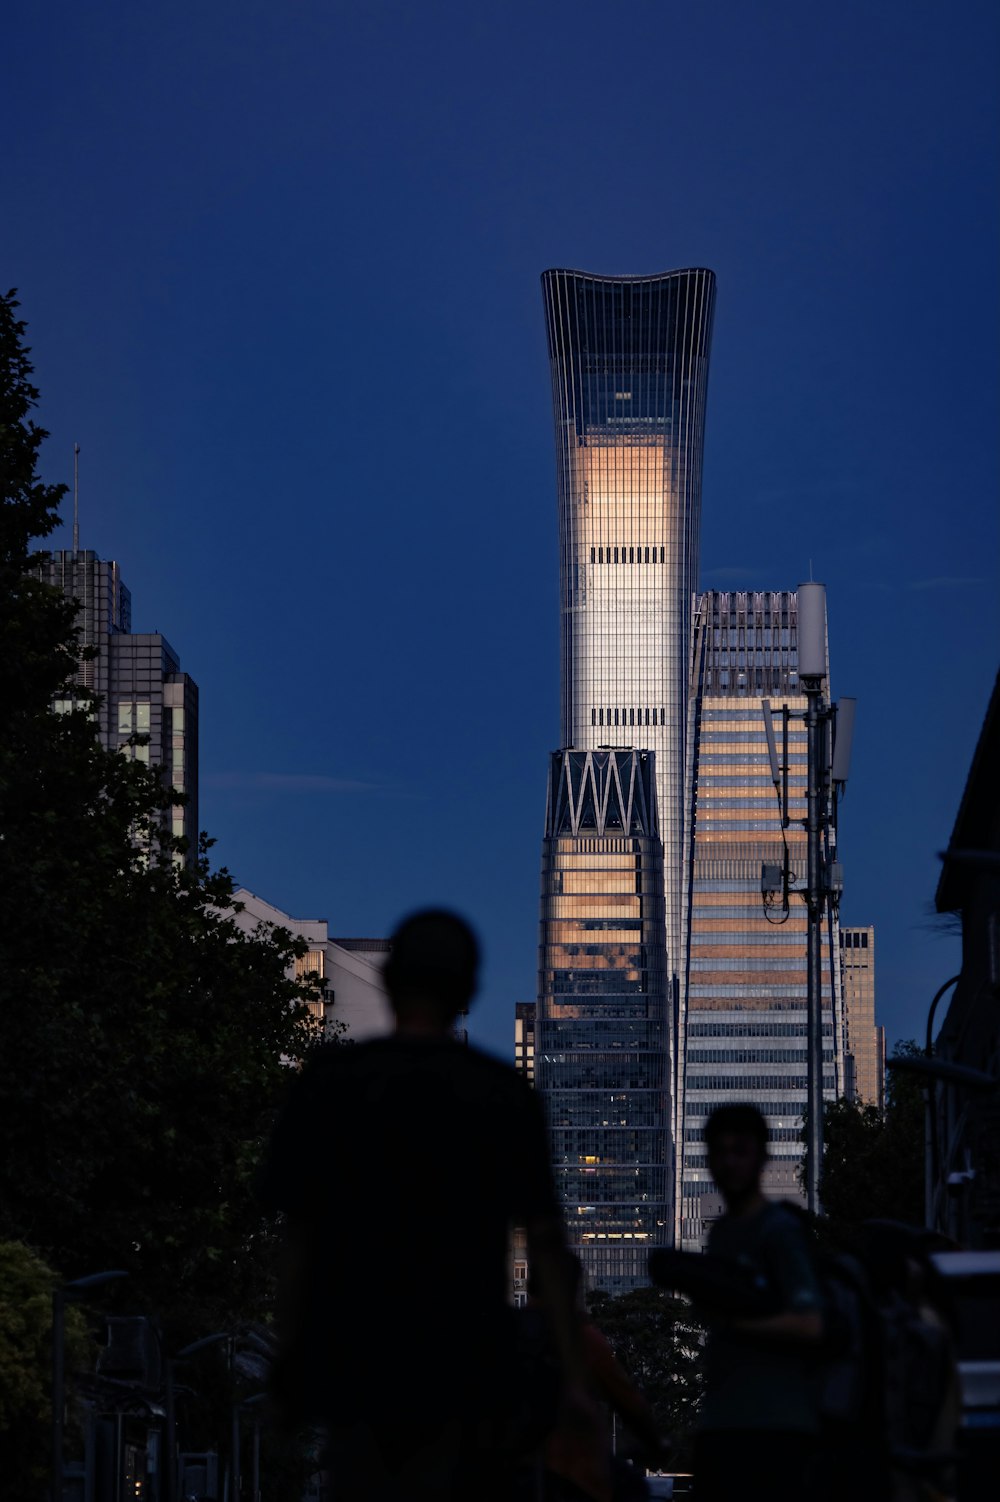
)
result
[(601, 1057), (743, 1033)]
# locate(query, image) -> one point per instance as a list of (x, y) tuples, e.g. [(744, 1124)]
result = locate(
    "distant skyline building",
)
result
[(137, 676), (864, 1041), (743, 1033)]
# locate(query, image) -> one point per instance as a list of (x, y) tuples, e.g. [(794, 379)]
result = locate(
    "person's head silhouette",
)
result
[(432, 970), (736, 1137)]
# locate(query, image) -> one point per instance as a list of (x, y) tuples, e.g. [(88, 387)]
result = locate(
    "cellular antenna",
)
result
[(76, 498)]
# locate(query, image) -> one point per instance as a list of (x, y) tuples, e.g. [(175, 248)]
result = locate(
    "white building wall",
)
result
[(354, 980)]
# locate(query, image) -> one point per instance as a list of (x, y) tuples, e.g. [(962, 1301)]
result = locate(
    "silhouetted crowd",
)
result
[(401, 1166)]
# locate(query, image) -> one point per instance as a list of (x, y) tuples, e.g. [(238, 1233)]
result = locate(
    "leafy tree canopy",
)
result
[(659, 1340), (26, 1285), (145, 1038), (873, 1165)]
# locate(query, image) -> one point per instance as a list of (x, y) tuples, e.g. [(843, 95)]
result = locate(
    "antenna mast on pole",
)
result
[(76, 498)]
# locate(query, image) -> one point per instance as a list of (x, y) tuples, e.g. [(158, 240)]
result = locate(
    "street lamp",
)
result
[(170, 1457), (62, 1295)]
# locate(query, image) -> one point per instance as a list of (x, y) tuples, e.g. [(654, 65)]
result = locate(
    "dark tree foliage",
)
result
[(144, 1039), (26, 1285), (659, 1340), (873, 1166)]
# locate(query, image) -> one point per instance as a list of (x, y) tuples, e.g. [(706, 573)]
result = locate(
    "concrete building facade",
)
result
[(864, 1040), (351, 969)]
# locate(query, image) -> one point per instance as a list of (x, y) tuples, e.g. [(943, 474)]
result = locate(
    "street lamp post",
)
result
[(62, 1295)]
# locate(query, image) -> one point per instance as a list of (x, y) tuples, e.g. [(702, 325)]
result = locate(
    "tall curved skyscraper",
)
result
[(629, 360)]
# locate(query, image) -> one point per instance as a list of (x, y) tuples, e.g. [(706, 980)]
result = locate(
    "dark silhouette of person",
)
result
[(401, 1165), (759, 1421)]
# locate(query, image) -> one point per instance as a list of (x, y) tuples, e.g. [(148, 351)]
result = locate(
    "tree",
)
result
[(25, 1362), (145, 1041), (659, 1340), (873, 1166)]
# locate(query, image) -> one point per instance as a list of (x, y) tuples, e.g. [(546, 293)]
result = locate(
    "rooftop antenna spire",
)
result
[(76, 498), (810, 561)]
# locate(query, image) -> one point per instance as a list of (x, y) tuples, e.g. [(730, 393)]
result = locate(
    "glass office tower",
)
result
[(629, 363), (743, 1035), (601, 1055)]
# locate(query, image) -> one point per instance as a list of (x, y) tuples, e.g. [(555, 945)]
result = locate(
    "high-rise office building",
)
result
[(629, 362), (629, 365), (137, 677), (864, 1042), (743, 1033), (601, 1055)]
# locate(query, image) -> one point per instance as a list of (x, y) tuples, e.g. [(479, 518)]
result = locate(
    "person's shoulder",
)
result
[(784, 1218)]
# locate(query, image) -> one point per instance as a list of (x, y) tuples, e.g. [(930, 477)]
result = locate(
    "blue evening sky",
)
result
[(280, 264)]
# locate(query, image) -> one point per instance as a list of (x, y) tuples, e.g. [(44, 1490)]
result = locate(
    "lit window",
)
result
[(125, 718), (313, 963), (142, 719)]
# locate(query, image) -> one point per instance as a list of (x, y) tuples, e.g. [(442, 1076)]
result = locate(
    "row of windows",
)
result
[(751, 1029), (788, 962), (751, 636), (854, 940), (713, 779), (722, 759), (735, 718), (764, 993), (774, 1134), (747, 735), (629, 716), (711, 803), (728, 823), (628, 555), (733, 935), (780, 1108), (737, 912), (753, 1082), (753, 1055), (786, 1149)]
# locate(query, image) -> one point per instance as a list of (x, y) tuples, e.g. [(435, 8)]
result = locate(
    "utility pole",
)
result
[(827, 766)]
